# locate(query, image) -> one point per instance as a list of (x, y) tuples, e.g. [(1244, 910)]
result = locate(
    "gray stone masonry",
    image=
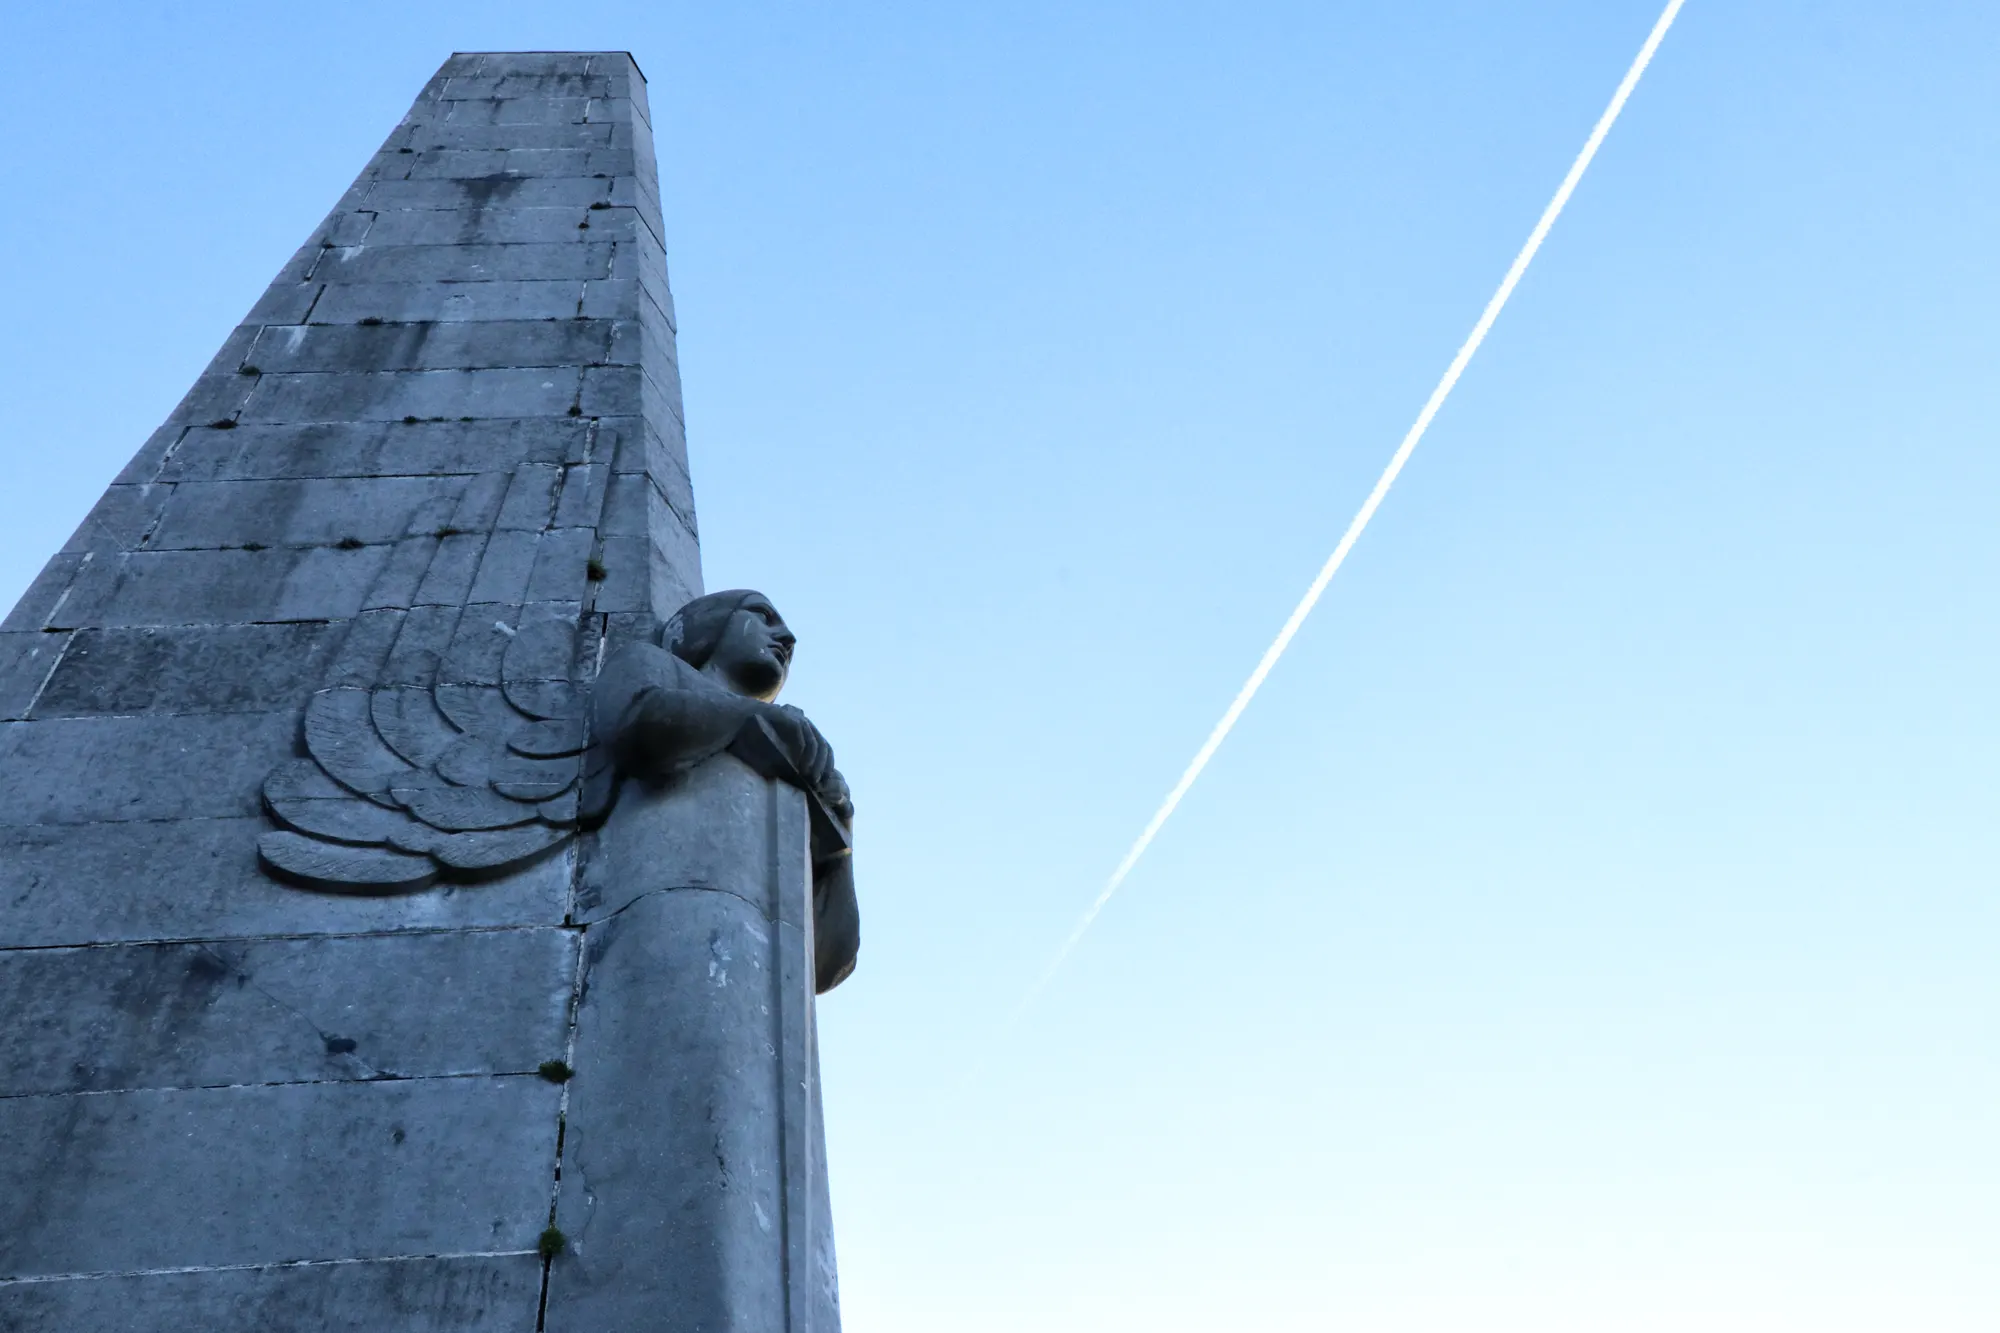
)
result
[(235, 1105)]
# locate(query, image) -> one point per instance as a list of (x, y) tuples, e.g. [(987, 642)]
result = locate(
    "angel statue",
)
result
[(709, 686), (470, 748)]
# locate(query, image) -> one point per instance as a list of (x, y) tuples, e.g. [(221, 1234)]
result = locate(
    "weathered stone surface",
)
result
[(477, 1294), (64, 884), (441, 163), (465, 263), (524, 110), (439, 134), (186, 669), (26, 662), (219, 586), (486, 191), (694, 1178), (555, 83), (122, 1017), (486, 344), (610, 299), (45, 595), (611, 391), (286, 304), (320, 512), (216, 396), (257, 1175), (113, 769), (121, 519), (494, 226), (392, 395), (379, 448), (350, 303)]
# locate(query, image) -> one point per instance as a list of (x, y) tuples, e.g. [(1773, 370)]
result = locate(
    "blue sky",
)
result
[(1591, 926)]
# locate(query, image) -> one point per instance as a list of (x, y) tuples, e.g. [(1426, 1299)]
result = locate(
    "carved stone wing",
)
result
[(449, 739)]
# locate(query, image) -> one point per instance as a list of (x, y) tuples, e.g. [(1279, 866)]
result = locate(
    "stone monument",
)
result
[(412, 898)]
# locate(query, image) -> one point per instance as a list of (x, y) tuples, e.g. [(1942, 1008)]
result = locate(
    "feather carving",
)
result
[(447, 741)]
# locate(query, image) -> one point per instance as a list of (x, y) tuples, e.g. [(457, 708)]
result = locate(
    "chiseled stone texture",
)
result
[(477, 1294), (234, 1105), (693, 1127), (224, 1013), (244, 1175)]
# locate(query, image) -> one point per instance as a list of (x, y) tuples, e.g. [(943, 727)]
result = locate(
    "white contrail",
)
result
[(1374, 500)]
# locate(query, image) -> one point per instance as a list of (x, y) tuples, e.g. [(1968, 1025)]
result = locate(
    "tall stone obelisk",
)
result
[(233, 1103)]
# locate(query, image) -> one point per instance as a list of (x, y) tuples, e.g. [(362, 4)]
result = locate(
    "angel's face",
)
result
[(755, 652)]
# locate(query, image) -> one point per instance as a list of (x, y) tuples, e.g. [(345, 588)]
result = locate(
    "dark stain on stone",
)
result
[(205, 966)]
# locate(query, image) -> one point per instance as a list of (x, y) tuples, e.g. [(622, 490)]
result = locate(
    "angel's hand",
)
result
[(832, 790), (808, 749)]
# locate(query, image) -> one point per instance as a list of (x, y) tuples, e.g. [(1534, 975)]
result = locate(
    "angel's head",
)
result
[(736, 637)]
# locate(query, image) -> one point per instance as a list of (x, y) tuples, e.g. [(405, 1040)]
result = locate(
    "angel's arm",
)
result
[(657, 720)]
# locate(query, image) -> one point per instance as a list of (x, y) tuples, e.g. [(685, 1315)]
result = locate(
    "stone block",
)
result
[(619, 109), (644, 256), (214, 397), (259, 1175), (316, 512), (97, 579), (185, 1015), (641, 194), (63, 884), (505, 567), (186, 669), (221, 587), (561, 570), (448, 579), (661, 299), (530, 498), (627, 586), (517, 110), (493, 63), (344, 229), (626, 509), (466, 263), (489, 192), (665, 462), (674, 545), (145, 465), (228, 359), (27, 658), (284, 303), (392, 395), (582, 499), (611, 391), (437, 134), (394, 302), (613, 298), (409, 564), (670, 586), (113, 769), (375, 449), (432, 163), (481, 345), (469, 1294), (565, 83), (46, 594), (649, 344), (479, 508), (662, 403), (493, 226)]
